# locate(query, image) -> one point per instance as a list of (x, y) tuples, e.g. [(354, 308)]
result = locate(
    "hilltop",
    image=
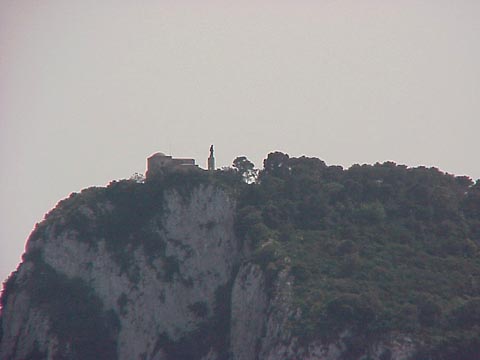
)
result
[(300, 260)]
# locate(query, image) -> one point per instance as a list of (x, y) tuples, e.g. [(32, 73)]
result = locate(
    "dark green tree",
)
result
[(245, 168), (276, 164)]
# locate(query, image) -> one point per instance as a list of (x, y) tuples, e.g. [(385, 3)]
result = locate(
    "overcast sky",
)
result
[(89, 89)]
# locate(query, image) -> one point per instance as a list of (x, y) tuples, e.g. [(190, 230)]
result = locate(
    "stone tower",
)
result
[(211, 160)]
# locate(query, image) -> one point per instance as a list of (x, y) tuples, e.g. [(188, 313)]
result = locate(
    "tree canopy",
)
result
[(374, 248)]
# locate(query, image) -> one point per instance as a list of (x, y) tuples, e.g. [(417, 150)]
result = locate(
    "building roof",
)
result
[(159, 154)]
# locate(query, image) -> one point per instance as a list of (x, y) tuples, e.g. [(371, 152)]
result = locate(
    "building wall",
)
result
[(160, 163)]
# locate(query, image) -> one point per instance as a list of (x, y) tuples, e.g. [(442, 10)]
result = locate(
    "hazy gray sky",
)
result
[(89, 89)]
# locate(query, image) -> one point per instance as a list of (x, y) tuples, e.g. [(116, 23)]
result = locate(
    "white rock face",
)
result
[(199, 238), (279, 342), (169, 295), (249, 303)]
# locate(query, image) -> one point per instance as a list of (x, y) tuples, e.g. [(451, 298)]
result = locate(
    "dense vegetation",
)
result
[(374, 249)]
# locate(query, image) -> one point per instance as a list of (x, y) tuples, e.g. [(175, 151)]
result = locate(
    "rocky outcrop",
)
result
[(248, 314), (192, 293), (24, 327), (156, 297)]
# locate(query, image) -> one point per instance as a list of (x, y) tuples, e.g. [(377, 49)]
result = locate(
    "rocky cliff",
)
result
[(161, 271), (155, 300)]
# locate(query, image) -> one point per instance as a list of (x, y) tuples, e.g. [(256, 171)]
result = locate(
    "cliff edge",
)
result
[(204, 266)]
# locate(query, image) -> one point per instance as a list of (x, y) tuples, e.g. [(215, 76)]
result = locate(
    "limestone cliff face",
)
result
[(190, 292)]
